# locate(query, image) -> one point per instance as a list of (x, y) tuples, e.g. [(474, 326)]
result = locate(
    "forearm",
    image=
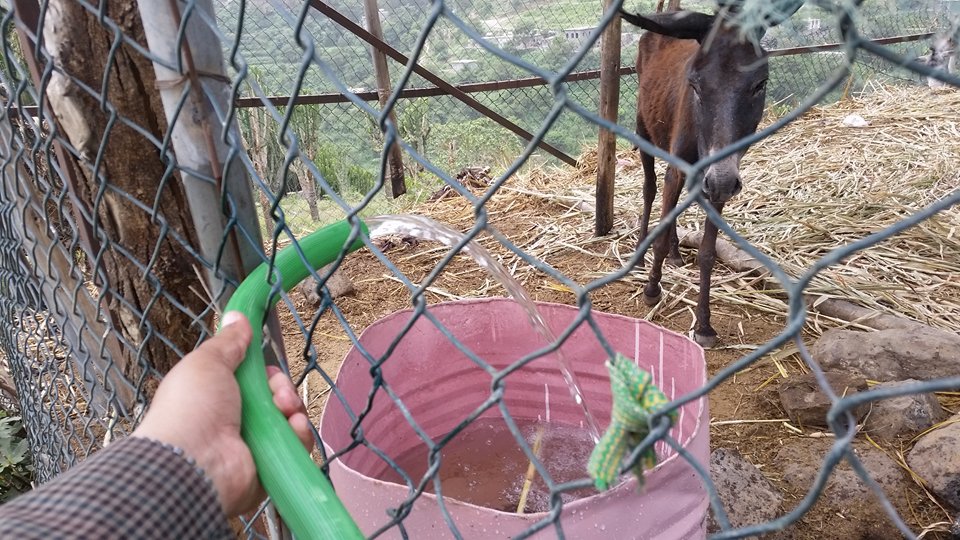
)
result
[(136, 488)]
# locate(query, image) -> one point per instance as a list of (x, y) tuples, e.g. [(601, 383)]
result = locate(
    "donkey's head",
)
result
[(724, 89), (942, 49)]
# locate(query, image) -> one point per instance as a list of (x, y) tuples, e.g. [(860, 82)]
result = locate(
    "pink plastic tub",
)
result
[(440, 386)]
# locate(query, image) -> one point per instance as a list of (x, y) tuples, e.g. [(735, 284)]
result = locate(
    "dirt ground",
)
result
[(745, 411)]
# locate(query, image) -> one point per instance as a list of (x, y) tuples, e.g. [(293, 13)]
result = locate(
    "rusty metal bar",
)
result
[(527, 82), (837, 46), (430, 91), (362, 33)]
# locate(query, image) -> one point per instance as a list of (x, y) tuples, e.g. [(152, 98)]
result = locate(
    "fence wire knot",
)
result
[(635, 397), (308, 113)]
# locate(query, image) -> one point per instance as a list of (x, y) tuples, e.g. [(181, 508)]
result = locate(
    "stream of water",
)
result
[(427, 229)]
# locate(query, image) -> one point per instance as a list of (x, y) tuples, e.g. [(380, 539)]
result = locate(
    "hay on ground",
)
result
[(814, 186)]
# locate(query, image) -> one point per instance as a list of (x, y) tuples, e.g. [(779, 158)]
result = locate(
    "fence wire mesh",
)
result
[(123, 236), (545, 35)]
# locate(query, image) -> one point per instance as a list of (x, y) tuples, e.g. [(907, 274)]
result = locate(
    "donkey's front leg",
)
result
[(703, 333), (661, 244)]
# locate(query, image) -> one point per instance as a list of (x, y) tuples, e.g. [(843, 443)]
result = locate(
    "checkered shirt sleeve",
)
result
[(136, 488)]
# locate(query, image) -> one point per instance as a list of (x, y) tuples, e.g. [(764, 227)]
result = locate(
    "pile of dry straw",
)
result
[(812, 187)]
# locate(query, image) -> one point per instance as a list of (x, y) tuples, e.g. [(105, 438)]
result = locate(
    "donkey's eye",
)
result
[(760, 87)]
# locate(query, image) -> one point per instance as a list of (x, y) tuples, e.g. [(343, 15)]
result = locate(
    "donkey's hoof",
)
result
[(675, 261), (707, 341), (652, 300)]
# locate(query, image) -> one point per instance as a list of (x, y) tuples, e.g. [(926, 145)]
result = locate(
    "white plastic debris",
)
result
[(855, 120)]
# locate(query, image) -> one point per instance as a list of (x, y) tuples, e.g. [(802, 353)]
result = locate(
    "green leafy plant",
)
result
[(16, 470)]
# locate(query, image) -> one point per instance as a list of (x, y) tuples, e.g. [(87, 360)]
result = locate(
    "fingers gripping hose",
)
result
[(300, 491)]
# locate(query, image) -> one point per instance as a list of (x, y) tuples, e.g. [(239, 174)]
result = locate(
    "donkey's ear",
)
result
[(676, 24), (782, 12)]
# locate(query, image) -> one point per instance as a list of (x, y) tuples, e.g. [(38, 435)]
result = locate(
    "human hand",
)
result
[(197, 409)]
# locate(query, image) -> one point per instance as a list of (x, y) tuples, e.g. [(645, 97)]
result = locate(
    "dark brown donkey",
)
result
[(701, 88)]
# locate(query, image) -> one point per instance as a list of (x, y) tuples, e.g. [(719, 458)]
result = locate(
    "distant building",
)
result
[(578, 35)]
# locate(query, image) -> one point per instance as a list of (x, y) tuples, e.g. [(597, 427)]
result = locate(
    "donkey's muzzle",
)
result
[(721, 180), (721, 190)]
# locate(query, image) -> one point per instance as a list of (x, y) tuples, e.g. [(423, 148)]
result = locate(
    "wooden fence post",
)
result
[(609, 106), (397, 184), (674, 5)]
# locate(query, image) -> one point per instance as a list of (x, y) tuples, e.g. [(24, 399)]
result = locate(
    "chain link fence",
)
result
[(123, 237), (451, 133)]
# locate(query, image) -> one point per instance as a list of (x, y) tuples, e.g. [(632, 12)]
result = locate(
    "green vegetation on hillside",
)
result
[(345, 143)]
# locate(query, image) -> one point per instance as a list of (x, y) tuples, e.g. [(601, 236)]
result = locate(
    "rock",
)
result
[(806, 404), (902, 416), (846, 486), (394, 241), (801, 460), (935, 459), (338, 284), (897, 354), (845, 493), (748, 497), (798, 462)]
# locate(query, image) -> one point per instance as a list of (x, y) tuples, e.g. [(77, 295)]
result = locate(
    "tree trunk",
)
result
[(258, 155), (154, 285), (309, 189)]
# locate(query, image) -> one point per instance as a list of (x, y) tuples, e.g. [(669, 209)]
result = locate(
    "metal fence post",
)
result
[(200, 150)]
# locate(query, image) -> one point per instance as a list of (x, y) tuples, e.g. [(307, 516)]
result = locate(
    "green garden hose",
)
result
[(300, 491)]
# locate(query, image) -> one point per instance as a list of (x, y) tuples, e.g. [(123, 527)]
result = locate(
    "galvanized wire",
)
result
[(68, 342)]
